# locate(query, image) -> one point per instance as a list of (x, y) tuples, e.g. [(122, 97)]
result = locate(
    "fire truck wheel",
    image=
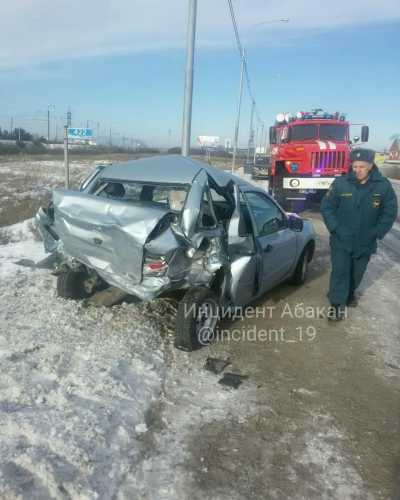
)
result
[(279, 193)]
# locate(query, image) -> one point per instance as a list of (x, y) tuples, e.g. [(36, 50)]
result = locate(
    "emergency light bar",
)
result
[(315, 114)]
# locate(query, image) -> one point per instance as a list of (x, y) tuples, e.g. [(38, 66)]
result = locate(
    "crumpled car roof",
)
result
[(169, 169)]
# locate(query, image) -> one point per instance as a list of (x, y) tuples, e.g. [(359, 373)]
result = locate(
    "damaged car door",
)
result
[(242, 251)]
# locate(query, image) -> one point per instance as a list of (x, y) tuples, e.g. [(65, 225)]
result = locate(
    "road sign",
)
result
[(80, 133), (209, 141)]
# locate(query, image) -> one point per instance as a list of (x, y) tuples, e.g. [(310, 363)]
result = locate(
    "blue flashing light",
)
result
[(294, 167)]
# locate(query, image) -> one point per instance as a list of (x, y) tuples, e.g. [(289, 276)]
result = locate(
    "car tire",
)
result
[(196, 319), (70, 285), (300, 273)]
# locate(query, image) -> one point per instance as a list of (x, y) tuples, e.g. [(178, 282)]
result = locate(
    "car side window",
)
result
[(207, 217), (267, 216)]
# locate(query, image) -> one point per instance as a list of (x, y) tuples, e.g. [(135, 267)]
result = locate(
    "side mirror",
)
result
[(364, 133), (295, 223), (356, 139), (272, 135)]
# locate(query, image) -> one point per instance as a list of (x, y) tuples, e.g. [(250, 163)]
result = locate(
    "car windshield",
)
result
[(332, 132), (304, 132), (171, 196)]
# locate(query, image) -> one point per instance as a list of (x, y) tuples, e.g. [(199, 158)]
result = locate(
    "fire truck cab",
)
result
[(307, 152)]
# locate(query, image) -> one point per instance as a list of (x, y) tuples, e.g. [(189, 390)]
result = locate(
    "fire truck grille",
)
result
[(327, 162)]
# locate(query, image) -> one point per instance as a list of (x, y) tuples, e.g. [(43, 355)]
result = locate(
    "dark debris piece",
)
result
[(216, 365), (232, 379), (25, 263)]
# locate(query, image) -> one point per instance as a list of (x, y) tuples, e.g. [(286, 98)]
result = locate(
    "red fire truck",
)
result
[(307, 152)]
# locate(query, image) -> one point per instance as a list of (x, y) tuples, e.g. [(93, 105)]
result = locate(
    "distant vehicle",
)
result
[(261, 167), (307, 152), (165, 224), (248, 166)]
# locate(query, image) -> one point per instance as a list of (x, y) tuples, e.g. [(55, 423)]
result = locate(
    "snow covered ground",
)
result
[(95, 403), (76, 384), (25, 185)]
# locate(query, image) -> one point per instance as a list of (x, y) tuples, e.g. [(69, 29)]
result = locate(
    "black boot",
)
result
[(352, 301), (336, 312)]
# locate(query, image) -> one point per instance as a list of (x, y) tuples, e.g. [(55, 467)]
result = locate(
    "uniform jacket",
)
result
[(356, 215)]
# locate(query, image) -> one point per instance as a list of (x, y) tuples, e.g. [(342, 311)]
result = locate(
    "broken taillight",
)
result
[(155, 267)]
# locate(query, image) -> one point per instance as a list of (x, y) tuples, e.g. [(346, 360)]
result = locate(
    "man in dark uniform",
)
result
[(358, 209)]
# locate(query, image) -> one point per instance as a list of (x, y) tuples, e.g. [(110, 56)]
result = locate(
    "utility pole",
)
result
[(256, 142), (169, 138), (110, 141), (66, 159), (251, 131), (48, 123), (235, 143), (188, 96), (98, 133), (11, 126), (262, 140), (69, 117)]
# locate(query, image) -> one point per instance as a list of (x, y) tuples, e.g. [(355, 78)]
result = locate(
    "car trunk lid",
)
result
[(104, 234)]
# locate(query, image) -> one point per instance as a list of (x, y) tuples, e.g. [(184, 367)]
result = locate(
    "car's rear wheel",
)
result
[(71, 284), (300, 273), (197, 319)]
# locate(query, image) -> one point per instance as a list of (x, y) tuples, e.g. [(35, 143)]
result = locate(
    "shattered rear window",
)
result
[(172, 196)]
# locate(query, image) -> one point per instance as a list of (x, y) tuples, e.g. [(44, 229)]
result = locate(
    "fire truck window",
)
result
[(304, 132), (332, 132)]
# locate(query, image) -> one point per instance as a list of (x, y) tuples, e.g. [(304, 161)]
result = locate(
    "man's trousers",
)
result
[(346, 275)]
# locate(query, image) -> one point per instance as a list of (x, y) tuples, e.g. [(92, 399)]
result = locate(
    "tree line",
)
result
[(19, 134)]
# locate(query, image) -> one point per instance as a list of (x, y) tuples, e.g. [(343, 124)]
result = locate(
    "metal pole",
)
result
[(235, 143), (187, 105), (255, 143), (48, 124), (66, 161), (262, 140), (251, 140)]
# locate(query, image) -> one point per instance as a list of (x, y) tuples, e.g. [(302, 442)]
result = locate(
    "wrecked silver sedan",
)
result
[(158, 225)]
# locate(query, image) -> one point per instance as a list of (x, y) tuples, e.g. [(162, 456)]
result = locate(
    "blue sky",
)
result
[(121, 63)]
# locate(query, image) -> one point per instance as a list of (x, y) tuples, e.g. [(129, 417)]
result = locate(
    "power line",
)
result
[(243, 55)]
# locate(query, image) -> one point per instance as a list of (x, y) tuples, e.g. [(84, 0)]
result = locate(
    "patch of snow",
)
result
[(20, 245), (323, 455), (76, 384)]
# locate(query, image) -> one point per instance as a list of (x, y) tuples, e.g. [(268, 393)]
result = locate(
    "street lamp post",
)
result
[(187, 106), (251, 131), (235, 143)]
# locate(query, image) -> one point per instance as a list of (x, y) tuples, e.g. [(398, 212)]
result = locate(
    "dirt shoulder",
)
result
[(318, 416)]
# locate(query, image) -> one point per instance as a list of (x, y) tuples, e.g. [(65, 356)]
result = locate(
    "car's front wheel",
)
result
[(197, 319), (71, 284)]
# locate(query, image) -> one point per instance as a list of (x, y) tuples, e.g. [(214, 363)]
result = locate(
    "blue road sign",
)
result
[(80, 133)]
